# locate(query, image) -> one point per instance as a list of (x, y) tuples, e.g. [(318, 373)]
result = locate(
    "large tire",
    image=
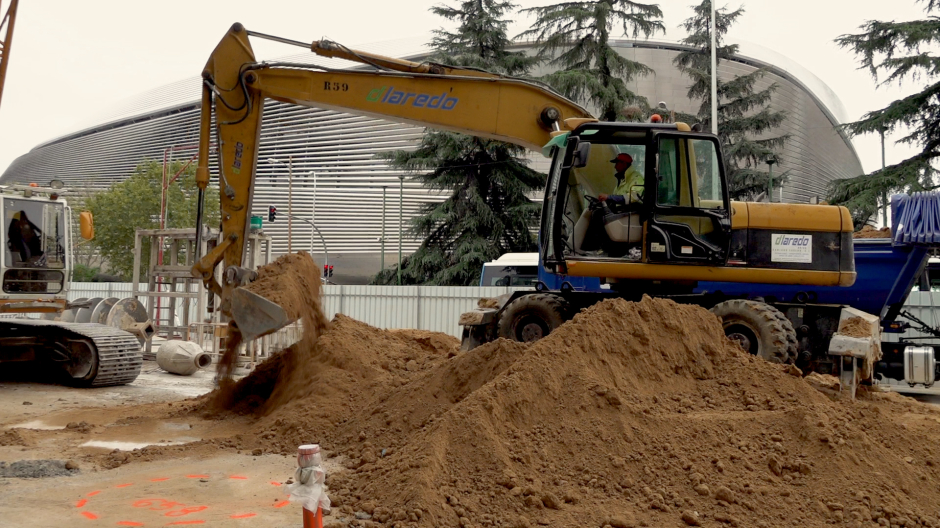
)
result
[(532, 317), (760, 329)]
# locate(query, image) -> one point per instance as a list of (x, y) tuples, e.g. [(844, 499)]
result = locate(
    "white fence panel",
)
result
[(90, 290), (434, 308), (438, 308)]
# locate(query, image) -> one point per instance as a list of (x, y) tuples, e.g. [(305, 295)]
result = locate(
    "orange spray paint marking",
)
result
[(92, 494), (130, 523), (244, 515), (281, 504), (238, 477), (90, 515), (81, 503), (161, 479), (275, 483), (177, 523), (124, 485), (197, 476)]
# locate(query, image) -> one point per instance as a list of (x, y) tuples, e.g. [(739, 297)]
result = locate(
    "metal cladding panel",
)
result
[(345, 200)]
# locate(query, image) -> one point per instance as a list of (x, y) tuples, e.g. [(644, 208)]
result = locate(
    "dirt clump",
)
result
[(631, 414), (12, 437), (868, 231), (488, 302), (292, 282), (855, 327)]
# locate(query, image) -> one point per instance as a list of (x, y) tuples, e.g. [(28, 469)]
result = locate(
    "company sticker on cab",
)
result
[(791, 248)]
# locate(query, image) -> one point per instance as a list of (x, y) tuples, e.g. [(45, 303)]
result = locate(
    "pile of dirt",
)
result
[(855, 327), (631, 414), (868, 231), (11, 437)]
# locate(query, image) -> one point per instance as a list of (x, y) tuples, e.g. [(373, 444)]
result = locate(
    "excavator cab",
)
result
[(624, 193)]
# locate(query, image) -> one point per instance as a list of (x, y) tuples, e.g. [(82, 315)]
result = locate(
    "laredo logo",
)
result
[(793, 240), (420, 100)]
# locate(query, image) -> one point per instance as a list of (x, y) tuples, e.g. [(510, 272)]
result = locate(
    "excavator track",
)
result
[(117, 353)]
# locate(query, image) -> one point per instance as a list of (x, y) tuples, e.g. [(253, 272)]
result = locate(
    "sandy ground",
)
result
[(230, 488)]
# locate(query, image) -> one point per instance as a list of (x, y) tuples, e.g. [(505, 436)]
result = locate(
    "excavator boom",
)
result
[(681, 228), (235, 87)]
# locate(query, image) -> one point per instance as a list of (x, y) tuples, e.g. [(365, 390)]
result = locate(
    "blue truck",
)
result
[(888, 269)]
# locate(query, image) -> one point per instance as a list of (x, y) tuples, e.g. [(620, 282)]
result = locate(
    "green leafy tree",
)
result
[(897, 52), (575, 37), (84, 273), (135, 204), (745, 119), (486, 212)]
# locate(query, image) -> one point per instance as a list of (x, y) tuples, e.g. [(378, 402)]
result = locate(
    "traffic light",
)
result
[(327, 271), (272, 213)]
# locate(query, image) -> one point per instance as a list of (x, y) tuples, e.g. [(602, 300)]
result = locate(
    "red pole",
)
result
[(313, 520)]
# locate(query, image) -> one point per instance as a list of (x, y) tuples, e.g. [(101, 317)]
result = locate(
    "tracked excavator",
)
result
[(675, 228), (94, 351)]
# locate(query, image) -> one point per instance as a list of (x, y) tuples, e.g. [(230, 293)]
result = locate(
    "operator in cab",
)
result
[(629, 182)]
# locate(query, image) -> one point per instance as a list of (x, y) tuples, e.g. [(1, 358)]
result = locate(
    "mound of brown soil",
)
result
[(631, 414), (870, 232)]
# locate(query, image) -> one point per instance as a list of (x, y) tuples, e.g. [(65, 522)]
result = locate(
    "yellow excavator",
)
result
[(676, 227)]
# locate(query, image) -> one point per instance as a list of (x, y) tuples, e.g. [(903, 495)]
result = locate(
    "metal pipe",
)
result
[(10, 19), (714, 70), (290, 199), (770, 188), (401, 221), (884, 194), (383, 229)]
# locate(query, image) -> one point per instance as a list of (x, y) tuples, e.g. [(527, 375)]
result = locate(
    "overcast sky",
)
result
[(72, 58)]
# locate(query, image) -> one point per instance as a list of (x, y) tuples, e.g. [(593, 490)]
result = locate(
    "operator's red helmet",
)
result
[(622, 158), (656, 118)]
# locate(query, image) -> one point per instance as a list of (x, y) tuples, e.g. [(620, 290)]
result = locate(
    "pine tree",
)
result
[(744, 115), (487, 212), (897, 51), (589, 69)]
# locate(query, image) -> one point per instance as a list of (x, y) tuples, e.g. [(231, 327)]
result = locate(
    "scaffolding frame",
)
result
[(171, 286)]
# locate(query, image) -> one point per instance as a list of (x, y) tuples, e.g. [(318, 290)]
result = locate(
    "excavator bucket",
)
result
[(256, 316)]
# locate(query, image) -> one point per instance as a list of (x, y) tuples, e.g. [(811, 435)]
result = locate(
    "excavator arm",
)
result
[(235, 87)]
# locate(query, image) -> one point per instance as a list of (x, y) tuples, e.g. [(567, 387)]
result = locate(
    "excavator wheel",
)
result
[(758, 328), (532, 317)]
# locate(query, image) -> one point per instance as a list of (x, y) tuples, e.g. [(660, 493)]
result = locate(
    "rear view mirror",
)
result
[(87, 224), (581, 155)]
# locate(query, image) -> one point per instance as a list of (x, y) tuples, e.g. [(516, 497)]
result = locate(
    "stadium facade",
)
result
[(350, 194)]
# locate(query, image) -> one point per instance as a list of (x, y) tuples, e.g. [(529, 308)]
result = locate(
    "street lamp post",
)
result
[(884, 194), (290, 200), (771, 159), (382, 241), (712, 29), (326, 252), (401, 219)]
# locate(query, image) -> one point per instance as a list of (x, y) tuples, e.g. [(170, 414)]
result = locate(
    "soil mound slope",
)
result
[(631, 414)]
